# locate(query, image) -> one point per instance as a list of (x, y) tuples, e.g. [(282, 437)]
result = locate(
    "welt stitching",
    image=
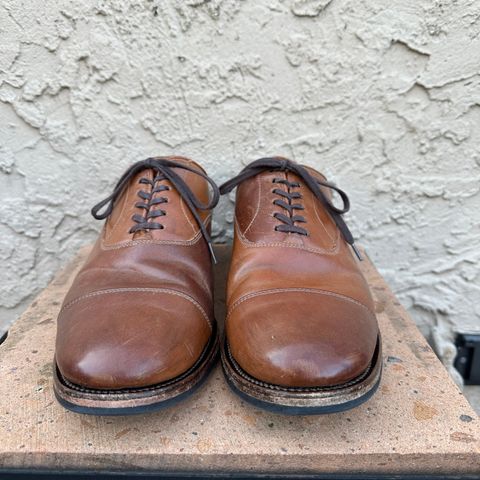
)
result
[(141, 290), (272, 386), (303, 290), (209, 349)]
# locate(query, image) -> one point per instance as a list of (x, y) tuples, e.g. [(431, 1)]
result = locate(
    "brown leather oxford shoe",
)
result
[(136, 330), (301, 332)]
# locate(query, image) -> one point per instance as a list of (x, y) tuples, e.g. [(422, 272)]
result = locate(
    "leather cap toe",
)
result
[(302, 338), (129, 338)]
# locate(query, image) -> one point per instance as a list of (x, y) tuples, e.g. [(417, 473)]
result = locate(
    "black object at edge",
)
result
[(467, 361)]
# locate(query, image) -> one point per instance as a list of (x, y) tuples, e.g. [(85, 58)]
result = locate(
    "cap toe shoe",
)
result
[(136, 330), (301, 332)]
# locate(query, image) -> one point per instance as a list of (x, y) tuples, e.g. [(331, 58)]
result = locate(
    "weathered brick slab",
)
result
[(418, 422)]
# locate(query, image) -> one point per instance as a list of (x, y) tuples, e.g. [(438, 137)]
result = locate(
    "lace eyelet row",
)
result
[(288, 224), (144, 223)]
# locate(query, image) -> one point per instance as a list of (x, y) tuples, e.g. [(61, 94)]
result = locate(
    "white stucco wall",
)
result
[(382, 96)]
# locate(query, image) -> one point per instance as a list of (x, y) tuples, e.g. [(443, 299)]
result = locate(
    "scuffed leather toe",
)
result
[(100, 344), (282, 339)]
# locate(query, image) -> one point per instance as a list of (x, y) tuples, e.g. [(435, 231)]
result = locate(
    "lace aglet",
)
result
[(212, 253), (357, 252)]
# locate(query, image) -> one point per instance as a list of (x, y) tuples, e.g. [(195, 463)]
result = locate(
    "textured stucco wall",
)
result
[(383, 96)]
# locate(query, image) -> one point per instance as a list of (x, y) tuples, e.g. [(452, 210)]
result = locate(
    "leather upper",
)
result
[(140, 311), (300, 313)]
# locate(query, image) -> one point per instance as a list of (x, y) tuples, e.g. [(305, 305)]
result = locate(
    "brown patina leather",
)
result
[(140, 311), (300, 313)]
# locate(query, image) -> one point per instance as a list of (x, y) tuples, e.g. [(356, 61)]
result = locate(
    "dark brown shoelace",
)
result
[(163, 169), (289, 222)]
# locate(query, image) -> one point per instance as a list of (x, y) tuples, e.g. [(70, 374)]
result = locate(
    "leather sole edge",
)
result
[(136, 401), (303, 401)]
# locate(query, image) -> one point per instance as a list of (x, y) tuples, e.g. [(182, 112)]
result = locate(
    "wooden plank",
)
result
[(418, 422)]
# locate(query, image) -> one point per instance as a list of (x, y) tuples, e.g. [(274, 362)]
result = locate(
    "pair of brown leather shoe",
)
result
[(137, 332)]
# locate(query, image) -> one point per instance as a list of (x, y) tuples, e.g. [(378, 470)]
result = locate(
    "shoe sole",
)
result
[(299, 400), (134, 401)]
